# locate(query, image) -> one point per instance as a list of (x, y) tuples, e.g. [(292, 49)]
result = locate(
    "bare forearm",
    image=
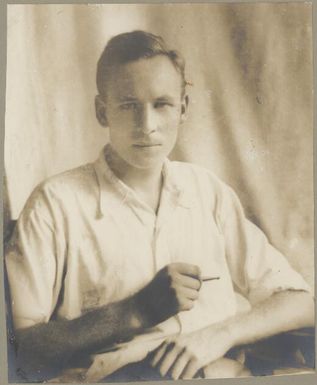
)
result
[(283, 311), (52, 345), (185, 354)]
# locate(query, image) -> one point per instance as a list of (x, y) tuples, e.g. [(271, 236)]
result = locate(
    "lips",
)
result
[(146, 145)]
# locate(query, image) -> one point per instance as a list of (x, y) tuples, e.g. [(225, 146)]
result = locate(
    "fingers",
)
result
[(159, 354), (179, 365), (173, 289), (189, 282), (176, 360), (170, 357), (185, 298), (186, 291), (187, 294), (191, 369), (186, 269)]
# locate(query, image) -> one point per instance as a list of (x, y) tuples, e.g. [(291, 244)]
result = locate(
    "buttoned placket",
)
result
[(155, 229), (155, 225)]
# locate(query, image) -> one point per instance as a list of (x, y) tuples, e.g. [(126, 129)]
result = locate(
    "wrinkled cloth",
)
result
[(86, 233)]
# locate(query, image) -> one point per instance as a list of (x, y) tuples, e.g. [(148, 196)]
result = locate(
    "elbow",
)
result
[(31, 358), (310, 309), (305, 306), (37, 359)]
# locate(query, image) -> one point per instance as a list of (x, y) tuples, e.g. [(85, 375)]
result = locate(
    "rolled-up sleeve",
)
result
[(257, 268), (33, 263)]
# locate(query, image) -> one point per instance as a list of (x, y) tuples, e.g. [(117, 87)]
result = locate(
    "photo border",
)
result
[(294, 379)]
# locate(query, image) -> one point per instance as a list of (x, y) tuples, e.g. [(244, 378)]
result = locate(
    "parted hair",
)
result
[(131, 46)]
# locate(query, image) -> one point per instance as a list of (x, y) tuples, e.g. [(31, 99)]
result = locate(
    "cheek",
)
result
[(120, 127), (171, 135), (120, 118), (117, 136), (168, 117), (172, 123)]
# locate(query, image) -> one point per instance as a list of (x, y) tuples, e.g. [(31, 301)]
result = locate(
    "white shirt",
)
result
[(86, 234)]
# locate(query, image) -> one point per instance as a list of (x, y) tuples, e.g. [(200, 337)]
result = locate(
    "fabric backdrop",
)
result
[(250, 117)]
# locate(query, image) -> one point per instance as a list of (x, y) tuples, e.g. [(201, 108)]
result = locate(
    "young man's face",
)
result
[(143, 108)]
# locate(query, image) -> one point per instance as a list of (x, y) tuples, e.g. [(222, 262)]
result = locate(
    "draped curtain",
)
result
[(250, 116)]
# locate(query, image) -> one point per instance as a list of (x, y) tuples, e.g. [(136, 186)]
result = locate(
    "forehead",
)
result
[(146, 78)]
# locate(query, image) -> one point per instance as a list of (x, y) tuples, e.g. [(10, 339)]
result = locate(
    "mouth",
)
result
[(146, 145)]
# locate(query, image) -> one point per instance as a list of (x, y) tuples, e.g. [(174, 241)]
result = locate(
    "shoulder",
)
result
[(194, 176), (80, 177), (63, 188), (207, 190), (201, 186)]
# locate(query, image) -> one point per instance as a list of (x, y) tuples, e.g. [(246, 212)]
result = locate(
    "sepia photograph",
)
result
[(158, 217)]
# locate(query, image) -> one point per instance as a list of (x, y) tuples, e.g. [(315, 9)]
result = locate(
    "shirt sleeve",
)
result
[(34, 262), (257, 268)]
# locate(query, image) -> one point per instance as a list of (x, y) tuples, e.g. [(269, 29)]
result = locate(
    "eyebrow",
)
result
[(127, 99), (165, 97)]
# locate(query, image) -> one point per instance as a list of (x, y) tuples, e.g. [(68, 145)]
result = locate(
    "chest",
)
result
[(113, 257)]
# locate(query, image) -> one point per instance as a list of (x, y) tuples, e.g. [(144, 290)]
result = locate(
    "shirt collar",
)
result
[(109, 183)]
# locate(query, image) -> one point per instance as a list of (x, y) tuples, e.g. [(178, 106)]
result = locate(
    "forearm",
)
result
[(283, 311), (174, 288), (53, 344)]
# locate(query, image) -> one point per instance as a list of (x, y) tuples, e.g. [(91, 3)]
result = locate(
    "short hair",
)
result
[(131, 46)]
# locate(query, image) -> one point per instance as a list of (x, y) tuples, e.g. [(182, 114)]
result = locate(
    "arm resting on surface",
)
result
[(186, 354), (283, 311), (50, 346), (174, 288)]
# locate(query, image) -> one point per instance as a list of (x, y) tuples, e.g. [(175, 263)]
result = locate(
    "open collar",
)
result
[(114, 191)]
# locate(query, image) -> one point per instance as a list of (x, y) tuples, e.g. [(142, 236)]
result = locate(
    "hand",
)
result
[(184, 356), (174, 288)]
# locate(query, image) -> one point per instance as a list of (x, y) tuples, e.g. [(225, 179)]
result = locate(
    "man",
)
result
[(138, 259)]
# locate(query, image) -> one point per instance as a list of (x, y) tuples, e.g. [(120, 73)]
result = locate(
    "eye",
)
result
[(128, 106), (162, 104)]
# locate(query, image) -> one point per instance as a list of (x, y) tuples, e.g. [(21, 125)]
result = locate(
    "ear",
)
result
[(100, 107), (184, 108)]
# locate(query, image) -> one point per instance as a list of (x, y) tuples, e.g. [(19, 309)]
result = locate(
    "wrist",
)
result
[(227, 332), (230, 332), (140, 312), (233, 332)]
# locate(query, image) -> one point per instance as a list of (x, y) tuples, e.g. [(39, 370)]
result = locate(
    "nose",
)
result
[(147, 120)]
